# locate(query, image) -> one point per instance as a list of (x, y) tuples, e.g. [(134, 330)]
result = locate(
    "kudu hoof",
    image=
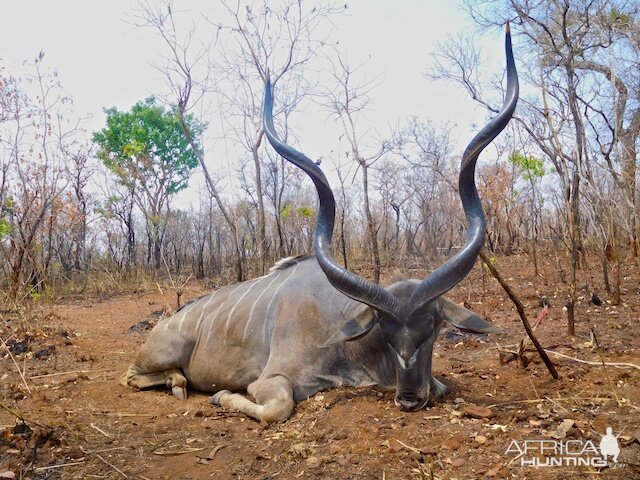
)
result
[(215, 398)]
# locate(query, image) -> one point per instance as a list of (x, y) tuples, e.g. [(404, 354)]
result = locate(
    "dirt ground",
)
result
[(78, 422)]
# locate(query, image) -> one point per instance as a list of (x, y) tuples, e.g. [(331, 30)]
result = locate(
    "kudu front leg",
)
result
[(274, 400), (171, 378)]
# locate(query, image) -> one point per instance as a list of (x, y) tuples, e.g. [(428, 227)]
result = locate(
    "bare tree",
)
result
[(563, 44), (346, 99), (275, 41), (34, 143), (265, 40)]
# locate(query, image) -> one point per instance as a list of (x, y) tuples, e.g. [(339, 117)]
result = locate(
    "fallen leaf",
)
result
[(476, 411), (562, 429)]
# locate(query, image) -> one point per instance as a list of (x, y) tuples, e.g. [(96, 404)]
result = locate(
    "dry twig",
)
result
[(22, 418), (98, 429), (60, 465), (604, 366), (548, 399), (24, 381), (112, 466), (161, 451), (589, 362), (57, 374), (408, 447)]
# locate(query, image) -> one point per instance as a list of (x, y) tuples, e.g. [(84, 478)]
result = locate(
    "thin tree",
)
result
[(346, 99)]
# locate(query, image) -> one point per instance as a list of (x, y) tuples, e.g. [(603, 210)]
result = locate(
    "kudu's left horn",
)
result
[(347, 282)]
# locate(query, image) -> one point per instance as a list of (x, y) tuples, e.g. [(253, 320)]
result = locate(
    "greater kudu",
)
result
[(310, 325)]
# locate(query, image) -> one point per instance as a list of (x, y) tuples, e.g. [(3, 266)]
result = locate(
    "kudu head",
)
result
[(409, 313)]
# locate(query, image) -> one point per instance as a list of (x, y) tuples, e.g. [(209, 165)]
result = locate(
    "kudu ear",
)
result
[(363, 321), (465, 319)]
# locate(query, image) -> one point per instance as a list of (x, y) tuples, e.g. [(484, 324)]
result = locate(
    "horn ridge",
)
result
[(448, 275), (344, 280)]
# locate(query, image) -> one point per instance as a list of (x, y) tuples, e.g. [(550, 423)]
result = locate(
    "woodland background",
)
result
[(560, 182)]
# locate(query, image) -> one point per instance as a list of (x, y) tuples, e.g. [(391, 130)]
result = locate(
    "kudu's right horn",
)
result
[(448, 275)]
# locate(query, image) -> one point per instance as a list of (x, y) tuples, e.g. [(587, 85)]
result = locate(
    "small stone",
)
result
[(481, 439), (334, 449), (416, 456), (75, 453), (313, 462), (458, 400), (458, 462), (395, 446), (494, 471), (452, 443)]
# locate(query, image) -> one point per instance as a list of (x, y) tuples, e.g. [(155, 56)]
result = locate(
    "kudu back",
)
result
[(311, 325)]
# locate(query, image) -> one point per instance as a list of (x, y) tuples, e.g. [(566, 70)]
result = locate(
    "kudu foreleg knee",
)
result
[(274, 400)]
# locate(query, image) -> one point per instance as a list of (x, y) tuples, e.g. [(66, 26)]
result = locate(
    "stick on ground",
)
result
[(520, 308)]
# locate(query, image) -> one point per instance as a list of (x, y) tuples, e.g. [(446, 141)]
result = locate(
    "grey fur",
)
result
[(264, 336)]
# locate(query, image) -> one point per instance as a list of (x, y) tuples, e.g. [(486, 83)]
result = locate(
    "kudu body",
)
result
[(310, 325)]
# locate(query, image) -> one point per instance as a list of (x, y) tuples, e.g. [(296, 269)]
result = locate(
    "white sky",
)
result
[(103, 61)]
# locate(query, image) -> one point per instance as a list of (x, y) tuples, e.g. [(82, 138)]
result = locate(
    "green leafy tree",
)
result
[(5, 228), (147, 151), (531, 167)]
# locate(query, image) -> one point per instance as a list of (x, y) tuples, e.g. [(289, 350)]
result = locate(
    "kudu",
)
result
[(310, 325)]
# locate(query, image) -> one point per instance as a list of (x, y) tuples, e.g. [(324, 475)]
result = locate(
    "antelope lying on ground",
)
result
[(310, 325)]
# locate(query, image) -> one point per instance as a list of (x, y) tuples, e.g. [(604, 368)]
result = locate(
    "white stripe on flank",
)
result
[(273, 297), (246, 327), (184, 315), (204, 308), (215, 315), (233, 309)]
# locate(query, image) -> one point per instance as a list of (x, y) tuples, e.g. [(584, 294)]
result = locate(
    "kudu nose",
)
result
[(408, 404)]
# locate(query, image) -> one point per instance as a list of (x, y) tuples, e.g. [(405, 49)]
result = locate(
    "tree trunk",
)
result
[(373, 236), (262, 228), (629, 170), (214, 193)]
